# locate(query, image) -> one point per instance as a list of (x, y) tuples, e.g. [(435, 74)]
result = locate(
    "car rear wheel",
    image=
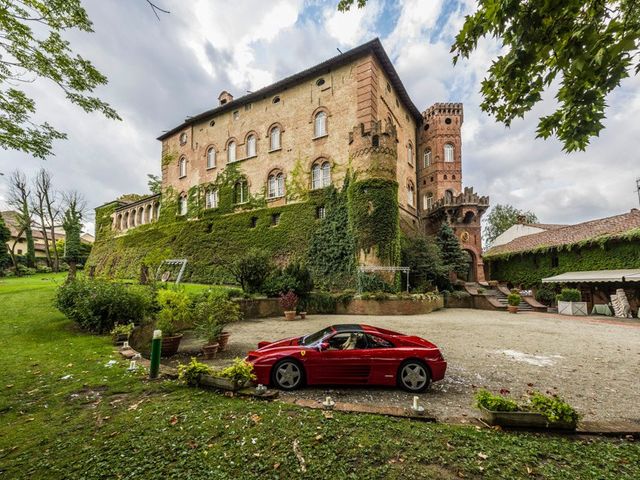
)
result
[(287, 375), (414, 376)]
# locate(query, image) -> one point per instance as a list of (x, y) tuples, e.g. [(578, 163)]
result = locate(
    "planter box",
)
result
[(523, 420), (572, 308), (222, 383)]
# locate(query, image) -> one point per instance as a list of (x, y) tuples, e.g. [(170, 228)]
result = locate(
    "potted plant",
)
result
[(239, 374), (173, 315), (289, 302), (541, 411), (213, 311), (569, 302), (121, 332), (513, 300)]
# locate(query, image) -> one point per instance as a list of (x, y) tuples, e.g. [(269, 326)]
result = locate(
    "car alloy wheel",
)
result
[(288, 375), (414, 376)]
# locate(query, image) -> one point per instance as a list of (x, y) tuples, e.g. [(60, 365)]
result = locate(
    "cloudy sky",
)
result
[(163, 71)]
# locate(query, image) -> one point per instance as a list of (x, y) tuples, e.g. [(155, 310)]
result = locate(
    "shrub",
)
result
[(251, 270), (212, 313), (554, 408), (175, 311), (514, 299), (373, 283), (43, 269), (191, 372), (319, 302), (545, 295), (24, 270), (289, 301), (569, 295), (122, 329), (495, 403), (240, 372), (295, 277), (97, 305)]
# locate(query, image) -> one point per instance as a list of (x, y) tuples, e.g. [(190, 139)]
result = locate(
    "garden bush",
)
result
[(175, 311), (294, 277), (569, 295), (495, 403), (545, 295), (98, 305), (212, 312)]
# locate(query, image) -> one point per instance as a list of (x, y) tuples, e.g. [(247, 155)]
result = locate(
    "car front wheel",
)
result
[(287, 375), (414, 376)]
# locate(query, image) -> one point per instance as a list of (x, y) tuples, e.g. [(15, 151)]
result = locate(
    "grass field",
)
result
[(102, 422)]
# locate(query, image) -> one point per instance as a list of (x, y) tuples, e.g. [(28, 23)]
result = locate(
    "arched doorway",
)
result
[(471, 275)]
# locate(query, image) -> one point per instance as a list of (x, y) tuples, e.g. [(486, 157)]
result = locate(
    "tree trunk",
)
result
[(71, 276), (52, 223), (43, 230)]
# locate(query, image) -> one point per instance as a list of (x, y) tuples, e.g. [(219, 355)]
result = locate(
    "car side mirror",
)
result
[(323, 346)]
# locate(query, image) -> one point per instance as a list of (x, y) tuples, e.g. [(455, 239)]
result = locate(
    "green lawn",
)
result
[(106, 423)]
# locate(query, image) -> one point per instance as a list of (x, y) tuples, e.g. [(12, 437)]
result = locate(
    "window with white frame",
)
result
[(231, 152), (182, 205), (427, 158), (241, 191), (427, 200), (321, 175), (320, 125), (251, 146), (448, 152), (410, 154), (211, 157), (211, 198), (275, 185), (410, 194), (274, 138), (182, 167)]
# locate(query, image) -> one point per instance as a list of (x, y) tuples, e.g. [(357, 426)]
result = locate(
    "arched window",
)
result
[(125, 222), (275, 185), (375, 141), (410, 154), (427, 200), (231, 152), (410, 194), (448, 152), (211, 157), (132, 218), (182, 205), (211, 198), (251, 146), (320, 125), (426, 162), (320, 175), (274, 138), (119, 222), (182, 167), (448, 197), (241, 191)]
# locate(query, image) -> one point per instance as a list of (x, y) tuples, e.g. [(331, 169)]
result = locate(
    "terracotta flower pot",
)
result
[(170, 345), (290, 314), (512, 308), (210, 350), (303, 315), (223, 340)]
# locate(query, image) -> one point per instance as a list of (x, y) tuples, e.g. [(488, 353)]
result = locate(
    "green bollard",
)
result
[(156, 346)]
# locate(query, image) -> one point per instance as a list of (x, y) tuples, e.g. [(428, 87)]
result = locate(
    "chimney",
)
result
[(521, 219), (225, 97)]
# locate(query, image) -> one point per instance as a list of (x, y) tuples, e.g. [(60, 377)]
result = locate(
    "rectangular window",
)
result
[(555, 261), (254, 222), (236, 114), (321, 212), (211, 199), (247, 107), (275, 219)]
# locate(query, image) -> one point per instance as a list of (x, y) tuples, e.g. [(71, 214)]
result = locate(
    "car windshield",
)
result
[(315, 337)]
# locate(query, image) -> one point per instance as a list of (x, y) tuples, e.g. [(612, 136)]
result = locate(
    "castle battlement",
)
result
[(443, 109)]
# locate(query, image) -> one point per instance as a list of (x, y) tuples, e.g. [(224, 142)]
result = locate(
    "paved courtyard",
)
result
[(594, 363)]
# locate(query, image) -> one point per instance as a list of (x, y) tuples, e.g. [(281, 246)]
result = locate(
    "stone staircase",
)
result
[(502, 298)]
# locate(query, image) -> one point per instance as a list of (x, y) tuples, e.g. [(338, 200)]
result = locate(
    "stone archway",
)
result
[(472, 274)]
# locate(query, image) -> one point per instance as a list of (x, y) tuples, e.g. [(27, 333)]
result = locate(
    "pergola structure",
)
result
[(166, 275)]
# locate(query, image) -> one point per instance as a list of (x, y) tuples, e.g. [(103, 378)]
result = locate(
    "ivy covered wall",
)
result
[(528, 269)]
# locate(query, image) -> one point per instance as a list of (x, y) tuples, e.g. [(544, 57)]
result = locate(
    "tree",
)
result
[(19, 198), (72, 224), (42, 184), (32, 46), (422, 255), (503, 217), (5, 236), (250, 269), (588, 47), (453, 257), (155, 183)]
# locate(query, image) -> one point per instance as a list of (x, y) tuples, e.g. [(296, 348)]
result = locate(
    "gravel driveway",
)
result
[(592, 362)]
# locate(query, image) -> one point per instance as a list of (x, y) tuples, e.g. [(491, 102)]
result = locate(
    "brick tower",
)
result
[(442, 198)]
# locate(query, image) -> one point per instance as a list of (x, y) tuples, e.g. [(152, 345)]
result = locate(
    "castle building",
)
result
[(348, 115)]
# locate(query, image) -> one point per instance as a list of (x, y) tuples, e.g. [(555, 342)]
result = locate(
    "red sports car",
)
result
[(349, 354)]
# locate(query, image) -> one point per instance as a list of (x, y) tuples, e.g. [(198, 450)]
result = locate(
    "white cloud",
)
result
[(354, 26)]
